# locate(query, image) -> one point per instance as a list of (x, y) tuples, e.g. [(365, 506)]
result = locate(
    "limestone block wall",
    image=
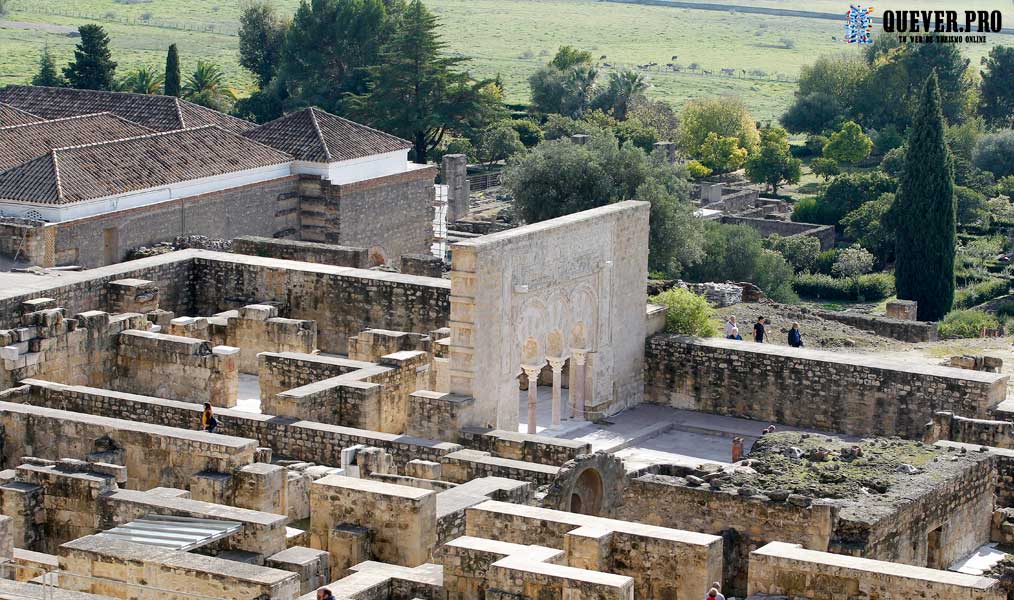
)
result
[(181, 368), (956, 512), (663, 562), (465, 465), (300, 440), (257, 328), (984, 432), (566, 285), (81, 350), (906, 331), (122, 569), (787, 569), (281, 371), (342, 301), (29, 240), (88, 290), (438, 415), (311, 252), (540, 449), (263, 534), (401, 519), (852, 394), (825, 234), (155, 455)]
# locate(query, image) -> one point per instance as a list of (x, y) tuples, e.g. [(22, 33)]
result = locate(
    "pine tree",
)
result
[(92, 67), (417, 93), (924, 213), (48, 75), (172, 72)]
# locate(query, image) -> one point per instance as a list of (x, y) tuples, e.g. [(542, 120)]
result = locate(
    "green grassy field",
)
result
[(509, 37)]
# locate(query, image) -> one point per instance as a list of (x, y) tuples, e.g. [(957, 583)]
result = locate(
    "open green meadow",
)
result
[(509, 37)]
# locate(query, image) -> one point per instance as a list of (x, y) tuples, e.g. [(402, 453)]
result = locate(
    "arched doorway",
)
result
[(586, 497)]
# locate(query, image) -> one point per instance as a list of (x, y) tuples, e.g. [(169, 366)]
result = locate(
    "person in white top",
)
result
[(730, 326)]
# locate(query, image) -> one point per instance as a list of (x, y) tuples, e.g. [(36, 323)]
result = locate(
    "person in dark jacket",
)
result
[(208, 420), (795, 337), (759, 332), (324, 594)]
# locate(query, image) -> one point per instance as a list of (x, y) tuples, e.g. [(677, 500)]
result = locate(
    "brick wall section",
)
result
[(982, 432), (312, 252), (265, 209), (342, 301), (851, 394), (906, 331), (31, 241), (786, 569), (292, 438)]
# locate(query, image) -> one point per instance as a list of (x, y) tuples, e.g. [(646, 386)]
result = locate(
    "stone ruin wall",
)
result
[(311, 252), (811, 389)]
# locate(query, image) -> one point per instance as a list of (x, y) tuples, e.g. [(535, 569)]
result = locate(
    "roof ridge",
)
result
[(70, 118), (364, 126), (20, 110), (154, 97), (320, 135), (56, 175), (179, 111)]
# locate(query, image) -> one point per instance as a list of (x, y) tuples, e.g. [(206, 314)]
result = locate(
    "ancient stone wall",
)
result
[(391, 215), (265, 209), (342, 301), (155, 455), (181, 368), (126, 568), (300, 440), (854, 394), (281, 371), (825, 234), (745, 524), (786, 569), (30, 241), (906, 331), (311, 252), (522, 446), (984, 432)]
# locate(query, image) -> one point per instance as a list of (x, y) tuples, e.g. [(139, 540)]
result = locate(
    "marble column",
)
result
[(557, 365), (532, 372), (578, 358)]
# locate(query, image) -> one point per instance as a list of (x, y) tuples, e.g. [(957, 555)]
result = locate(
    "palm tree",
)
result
[(624, 86), (206, 86), (581, 83), (143, 80)]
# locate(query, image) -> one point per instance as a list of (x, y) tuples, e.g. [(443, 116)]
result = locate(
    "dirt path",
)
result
[(40, 26)]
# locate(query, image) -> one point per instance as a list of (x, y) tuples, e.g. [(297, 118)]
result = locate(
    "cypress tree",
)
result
[(48, 75), (93, 67), (924, 213), (172, 72)]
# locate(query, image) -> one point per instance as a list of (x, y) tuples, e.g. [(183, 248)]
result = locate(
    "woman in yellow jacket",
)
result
[(208, 420)]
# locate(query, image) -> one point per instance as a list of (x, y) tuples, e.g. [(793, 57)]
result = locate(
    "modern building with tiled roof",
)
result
[(107, 172), (15, 116), (316, 138), (158, 113), (22, 143)]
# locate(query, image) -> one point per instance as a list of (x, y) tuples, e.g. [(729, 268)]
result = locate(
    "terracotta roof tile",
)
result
[(14, 116), (314, 135), (158, 113), (21, 143), (68, 175)]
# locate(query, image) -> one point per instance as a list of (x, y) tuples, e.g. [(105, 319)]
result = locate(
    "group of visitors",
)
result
[(760, 332)]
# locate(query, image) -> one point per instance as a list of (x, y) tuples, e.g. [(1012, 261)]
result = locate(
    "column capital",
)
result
[(580, 355), (531, 370), (556, 362)]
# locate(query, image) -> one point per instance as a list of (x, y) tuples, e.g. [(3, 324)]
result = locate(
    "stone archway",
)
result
[(586, 496)]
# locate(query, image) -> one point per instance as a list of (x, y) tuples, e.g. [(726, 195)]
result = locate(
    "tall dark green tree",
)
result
[(48, 75), (93, 67), (172, 72), (261, 38), (418, 92), (924, 213), (329, 48), (996, 92)]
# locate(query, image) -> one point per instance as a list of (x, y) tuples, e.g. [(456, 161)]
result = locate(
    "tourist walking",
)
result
[(208, 420), (718, 590), (759, 331), (795, 337), (734, 334), (324, 594)]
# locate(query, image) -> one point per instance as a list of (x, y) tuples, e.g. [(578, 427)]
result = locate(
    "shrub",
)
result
[(994, 152), (687, 313), (697, 170), (1005, 309), (893, 161), (965, 324), (825, 261), (801, 251), (875, 286), (981, 292)]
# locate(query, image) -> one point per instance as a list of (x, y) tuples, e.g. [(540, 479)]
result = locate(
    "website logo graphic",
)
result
[(859, 25)]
